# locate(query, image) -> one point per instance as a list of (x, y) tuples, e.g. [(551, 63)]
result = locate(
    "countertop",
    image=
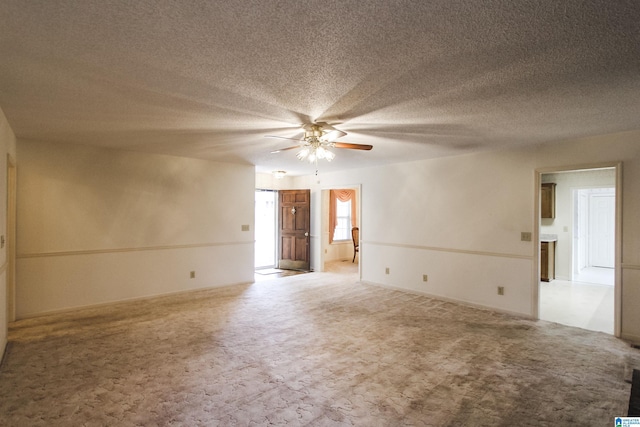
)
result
[(548, 237)]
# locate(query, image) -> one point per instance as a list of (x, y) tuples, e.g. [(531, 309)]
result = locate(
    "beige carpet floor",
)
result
[(317, 349)]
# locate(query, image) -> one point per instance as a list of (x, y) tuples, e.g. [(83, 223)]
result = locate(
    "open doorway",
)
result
[(578, 249), (265, 229), (281, 233), (341, 213)]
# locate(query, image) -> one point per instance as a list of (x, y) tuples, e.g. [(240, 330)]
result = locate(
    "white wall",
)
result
[(459, 219), (98, 225), (7, 146), (266, 181), (445, 217), (562, 224)]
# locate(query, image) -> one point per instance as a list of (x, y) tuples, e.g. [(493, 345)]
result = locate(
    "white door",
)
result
[(601, 230), (582, 230)]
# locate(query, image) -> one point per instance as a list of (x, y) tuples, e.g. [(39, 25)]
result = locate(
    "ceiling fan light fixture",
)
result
[(313, 157), (316, 149), (316, 144), (302, 154), (323, 153), (314, 131)]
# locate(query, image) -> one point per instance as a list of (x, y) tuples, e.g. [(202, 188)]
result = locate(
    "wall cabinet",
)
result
[(548, 200), (547, 261)]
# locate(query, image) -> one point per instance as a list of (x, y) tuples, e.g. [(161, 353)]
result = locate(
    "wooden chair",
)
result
[(355, 236)]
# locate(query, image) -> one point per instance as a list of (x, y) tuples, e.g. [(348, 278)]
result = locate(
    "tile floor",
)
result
[(580, 304), (597, 276)]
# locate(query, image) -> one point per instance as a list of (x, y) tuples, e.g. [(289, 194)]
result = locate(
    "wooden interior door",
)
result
[(294, 227)]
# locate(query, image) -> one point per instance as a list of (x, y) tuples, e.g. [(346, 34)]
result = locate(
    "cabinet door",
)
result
[(548, 200), (551, 261), (544, 261)]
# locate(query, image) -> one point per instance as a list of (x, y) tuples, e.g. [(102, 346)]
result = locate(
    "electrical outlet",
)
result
[(425, 277), (192, 275), (500, 290), (525, 236), (386, 270)]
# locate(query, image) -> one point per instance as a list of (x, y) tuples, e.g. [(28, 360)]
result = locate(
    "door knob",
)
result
[(306, 234)]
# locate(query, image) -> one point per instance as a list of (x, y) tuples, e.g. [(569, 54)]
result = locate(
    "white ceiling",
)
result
[(417, 79)]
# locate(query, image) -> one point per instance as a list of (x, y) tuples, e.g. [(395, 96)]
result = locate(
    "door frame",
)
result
[(11, 238), (535, 291)]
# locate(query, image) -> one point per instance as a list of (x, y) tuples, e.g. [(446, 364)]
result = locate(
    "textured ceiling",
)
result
[(417, 79)]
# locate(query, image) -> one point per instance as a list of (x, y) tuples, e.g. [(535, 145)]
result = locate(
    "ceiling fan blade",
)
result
[(352, 146), (285, 149), (333, 135), (283, 137)]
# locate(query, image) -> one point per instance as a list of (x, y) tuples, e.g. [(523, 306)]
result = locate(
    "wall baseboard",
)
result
[(130, 300), (452, 300)]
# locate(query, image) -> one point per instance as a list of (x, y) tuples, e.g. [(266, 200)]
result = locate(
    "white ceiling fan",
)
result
[(317, 142)]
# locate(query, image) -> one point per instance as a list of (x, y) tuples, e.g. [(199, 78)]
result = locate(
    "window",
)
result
[(343, 221), (342, 214)]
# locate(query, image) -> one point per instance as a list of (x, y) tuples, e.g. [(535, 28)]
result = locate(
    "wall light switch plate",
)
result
[(525, 236), (245, 227), (425, 277), (386, 270)]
